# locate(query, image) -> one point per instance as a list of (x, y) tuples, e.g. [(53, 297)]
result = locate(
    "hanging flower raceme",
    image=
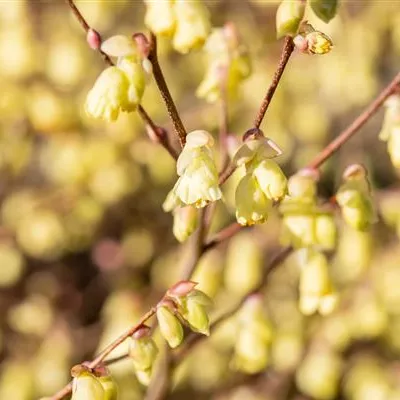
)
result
[(390, 131), (354, 198), (121, 87), (228, 65), (197, 184), (254, 335), (263, 181), (143, 351), (186, 21), (305, 224), (316, 288)]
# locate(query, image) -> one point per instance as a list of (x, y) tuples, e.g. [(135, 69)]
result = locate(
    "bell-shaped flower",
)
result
[(185, 222), (197, 184), (109, 95), (160, 17), (170, 326), (142, 349), (192, 25), (87, 386), (252, 205), (354, 198), (316, 289)]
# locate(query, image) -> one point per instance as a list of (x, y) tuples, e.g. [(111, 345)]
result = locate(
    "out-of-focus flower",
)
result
[(288, 17), (253, 337), (263, 182), (390, 131), (228, 65), (87, 386), (316, 289), (143, 351), (185, 222), (354, 198), (187, 21), (197, 184), (109, 386)]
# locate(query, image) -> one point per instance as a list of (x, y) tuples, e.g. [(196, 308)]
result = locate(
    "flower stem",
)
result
[(286, 53), (165, 93)]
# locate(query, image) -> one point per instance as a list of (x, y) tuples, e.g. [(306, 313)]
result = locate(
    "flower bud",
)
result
[(142, 349), (271, 179), (324, 9), (86, 386), (192, 25), (325, 231), (302, 187), (160, 17), (170, 326), (394, 146), (120, 46), (194, 311), (93, 38), (109, 95), (252, 205), (185, 222), (182, 288), (318, 43), (288, 17), (299, 230)]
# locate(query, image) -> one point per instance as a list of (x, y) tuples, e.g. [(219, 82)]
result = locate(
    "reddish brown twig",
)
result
[(286, 53), (165, 93), (354, 127)]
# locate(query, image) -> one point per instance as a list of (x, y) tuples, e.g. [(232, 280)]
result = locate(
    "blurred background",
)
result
[(85, 247)]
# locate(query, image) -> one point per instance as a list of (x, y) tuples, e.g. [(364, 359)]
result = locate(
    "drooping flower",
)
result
[(160, 16), (197, 184), (170, 326), (87, 386)]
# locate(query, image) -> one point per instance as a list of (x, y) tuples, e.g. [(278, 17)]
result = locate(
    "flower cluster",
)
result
[(254, 334), (354, 198), (390, 131), (228, 64), (121, 87), (187, 21), (198, 176), (263, 182), (92, 384)]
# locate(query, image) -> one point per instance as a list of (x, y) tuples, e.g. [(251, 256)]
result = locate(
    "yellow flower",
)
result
[(185, 222), (170, 327), (109, 95), (192, 25), (319, 43), (252, 205), (86, 386), (160, 17), (198, 176)]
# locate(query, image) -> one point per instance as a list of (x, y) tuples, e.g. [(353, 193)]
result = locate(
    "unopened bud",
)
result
[(325, 231), (93, 38), (170, 326), (143, 44), (354, 171), (319, 43), (182, 288), (302, 187), (185, 222), (288, 17), (142, 350), (86, 386)]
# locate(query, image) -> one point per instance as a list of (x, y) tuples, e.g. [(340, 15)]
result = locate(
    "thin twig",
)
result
[(223, 120), (286, 53), (354, 127), (112, 346), (165, 93)]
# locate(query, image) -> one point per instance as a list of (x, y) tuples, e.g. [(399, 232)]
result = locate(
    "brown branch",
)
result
[(165, 93), (112, 346), (286, 53), (355, 126)]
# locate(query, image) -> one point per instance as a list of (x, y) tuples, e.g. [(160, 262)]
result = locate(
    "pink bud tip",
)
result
[(181, 288), (310, 173), (301, 43), (354, 171), (143, 331), (93, 38), (143, 44), (78, 369)]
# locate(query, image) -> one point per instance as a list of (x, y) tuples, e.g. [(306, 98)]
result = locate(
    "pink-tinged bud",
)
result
[(181, 288), (301, 43), (310, 173), (143, 44), (142, 332), (93, 38), (354, 171), (78, 369)]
